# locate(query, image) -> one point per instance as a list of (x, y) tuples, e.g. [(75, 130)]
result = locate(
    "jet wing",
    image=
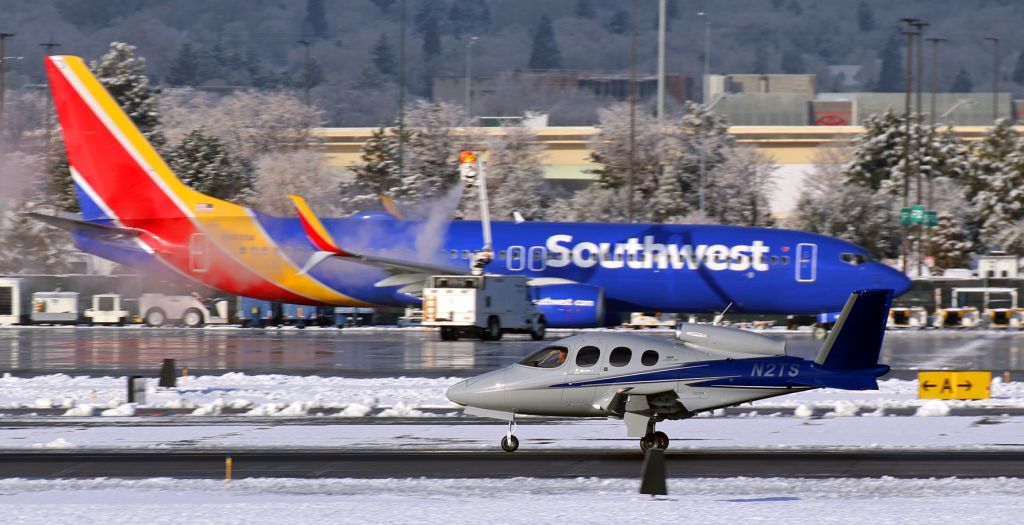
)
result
[(327, 248)]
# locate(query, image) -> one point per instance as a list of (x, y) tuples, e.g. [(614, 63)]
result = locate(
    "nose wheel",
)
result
[(654, 440), (510, 443)]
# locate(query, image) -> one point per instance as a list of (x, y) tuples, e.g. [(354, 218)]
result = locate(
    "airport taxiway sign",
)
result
[(953, 384)]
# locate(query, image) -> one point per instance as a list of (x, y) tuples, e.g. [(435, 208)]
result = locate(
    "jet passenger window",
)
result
[(649, 358), (588, 356), (620, 356), (547, 357)]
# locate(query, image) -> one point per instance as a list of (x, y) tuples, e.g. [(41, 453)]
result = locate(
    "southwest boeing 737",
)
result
[(136, 212)]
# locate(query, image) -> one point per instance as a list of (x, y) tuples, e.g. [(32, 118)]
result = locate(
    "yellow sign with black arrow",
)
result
[(953, 384)]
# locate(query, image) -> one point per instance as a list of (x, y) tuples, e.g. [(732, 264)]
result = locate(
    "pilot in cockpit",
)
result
[(554, 359)]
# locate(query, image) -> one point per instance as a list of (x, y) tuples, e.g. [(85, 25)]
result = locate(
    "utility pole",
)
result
[(305, 43), (707, 58), (661, 60), (632, 111), (401, 93), (469, 76), (995, 77), (3, 65), (908, 87), (920, 25), (48, 45)]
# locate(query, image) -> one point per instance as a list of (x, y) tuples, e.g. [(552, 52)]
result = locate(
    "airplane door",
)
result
[(806, 262), (538, 258), (515, 259), (582, 367), (198, 255)]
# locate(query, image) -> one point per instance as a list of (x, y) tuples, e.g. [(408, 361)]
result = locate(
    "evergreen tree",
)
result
[(384, 5), (890, 78), (793, 62), (377, 172), (185, 68), (990, 185), (585, 9), (618, 23), (468, 17), (1018, 69), (760, 59), (865, 17), (950, 243), (544, 53), (315, 23), (515, 177), (962, 83), (205, 164), (743, 184), (878, 152), (31, 246), (431, 39), (124, 76), (384, 56)]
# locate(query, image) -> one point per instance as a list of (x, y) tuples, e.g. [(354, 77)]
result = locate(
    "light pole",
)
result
[(707, 56), (704, 147), (935, 66), (995, 77), (661, 60), (632, 110), (919, 25), (469, 76), (3, 60), (401, 92)]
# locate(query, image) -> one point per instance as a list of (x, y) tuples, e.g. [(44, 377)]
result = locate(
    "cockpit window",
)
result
[(857, 258), (588, 356), (547, 357)]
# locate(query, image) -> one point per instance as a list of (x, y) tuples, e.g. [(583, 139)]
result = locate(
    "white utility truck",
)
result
[(192, 311), (485, 306)]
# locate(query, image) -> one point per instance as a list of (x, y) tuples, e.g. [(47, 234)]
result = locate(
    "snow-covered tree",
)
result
[(993, 185), (949, 242), (30, 246), (302, 172), (744, 184), (124, 75), (515, 177), (203, 162), (830, 204)]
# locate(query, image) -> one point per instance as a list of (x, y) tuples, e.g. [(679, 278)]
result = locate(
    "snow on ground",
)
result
[(454, 501), (287, 395), (700, 434)]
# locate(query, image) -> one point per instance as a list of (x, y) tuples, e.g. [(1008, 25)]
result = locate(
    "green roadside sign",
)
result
[(905, 216), (931, 219)]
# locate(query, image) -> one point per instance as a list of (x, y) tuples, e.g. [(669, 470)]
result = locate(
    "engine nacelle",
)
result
[(729, 339), (570, 305)]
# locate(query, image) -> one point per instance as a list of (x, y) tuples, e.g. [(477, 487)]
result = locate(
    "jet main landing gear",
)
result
[(510, 443)]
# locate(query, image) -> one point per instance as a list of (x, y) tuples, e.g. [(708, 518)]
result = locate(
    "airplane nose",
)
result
[(895, 279), (458, 393)]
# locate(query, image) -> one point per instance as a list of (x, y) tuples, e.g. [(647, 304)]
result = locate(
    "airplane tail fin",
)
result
[(117, 173), (856, 340)]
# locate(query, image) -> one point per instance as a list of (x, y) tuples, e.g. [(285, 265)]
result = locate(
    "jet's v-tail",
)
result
[(856, 340)]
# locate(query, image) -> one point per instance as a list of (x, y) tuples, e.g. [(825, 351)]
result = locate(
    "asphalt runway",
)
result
[(211, 464), (26, 351)]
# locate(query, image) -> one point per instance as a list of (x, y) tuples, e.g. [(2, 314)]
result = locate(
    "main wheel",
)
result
[(449, 334), (155, 317), (509, 443), (493, 331), (539, 330), (648, 442), (192, 318), (661, 440)]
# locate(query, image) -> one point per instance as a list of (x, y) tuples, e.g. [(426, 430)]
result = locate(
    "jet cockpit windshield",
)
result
[(547, 357)]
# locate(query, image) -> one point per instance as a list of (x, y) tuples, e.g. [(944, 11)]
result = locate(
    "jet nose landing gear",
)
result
[(510, 443), (654, 440)]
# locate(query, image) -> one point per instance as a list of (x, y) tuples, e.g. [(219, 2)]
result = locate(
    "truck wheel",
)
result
[(493, 331), (155, 317), (193, 318), (449, 334), (539, 330)]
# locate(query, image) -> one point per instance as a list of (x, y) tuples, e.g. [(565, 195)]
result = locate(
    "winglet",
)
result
[(389, 206), (315, 231)]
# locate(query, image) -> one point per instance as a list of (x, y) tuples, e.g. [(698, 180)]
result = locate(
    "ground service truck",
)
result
[(485, 306)]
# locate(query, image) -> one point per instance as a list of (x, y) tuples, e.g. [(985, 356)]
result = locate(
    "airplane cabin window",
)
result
[(649, 358), (785, 259), (465, 254), (501, 255), (588, 356), (620, 356), (774, 259), (547, 357), (455, 254)]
